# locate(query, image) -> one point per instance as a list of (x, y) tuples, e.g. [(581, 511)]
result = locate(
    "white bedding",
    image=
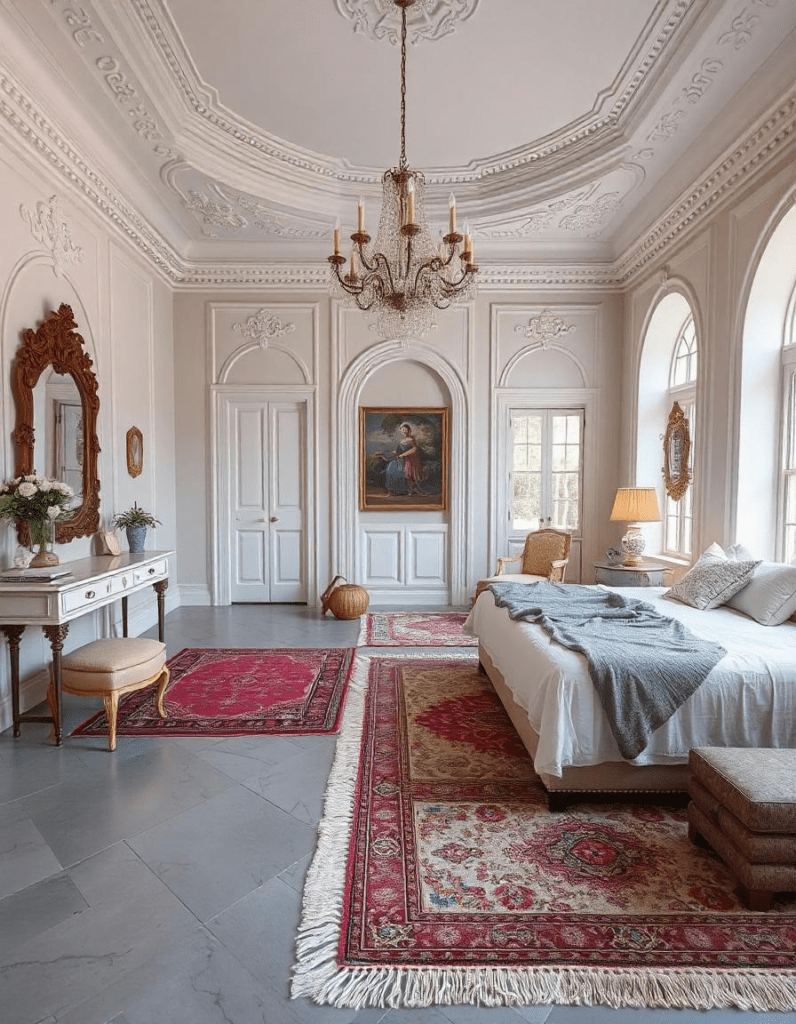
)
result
[(748, 700)]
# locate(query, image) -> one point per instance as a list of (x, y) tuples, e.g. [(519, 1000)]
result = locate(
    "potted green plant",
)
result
[(135, 522)]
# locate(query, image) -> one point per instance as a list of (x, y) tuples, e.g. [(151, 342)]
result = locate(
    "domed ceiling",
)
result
[(252, 124)]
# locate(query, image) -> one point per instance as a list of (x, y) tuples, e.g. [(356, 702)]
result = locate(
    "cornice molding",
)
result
[(36, 136)]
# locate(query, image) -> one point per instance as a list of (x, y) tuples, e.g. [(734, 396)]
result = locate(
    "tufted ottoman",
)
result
[(743, 802), (112, 668)]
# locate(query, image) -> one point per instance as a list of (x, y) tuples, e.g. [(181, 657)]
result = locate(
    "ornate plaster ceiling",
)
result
[(255, 122)]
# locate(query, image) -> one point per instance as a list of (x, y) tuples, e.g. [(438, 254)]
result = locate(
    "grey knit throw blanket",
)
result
[(643, 664)]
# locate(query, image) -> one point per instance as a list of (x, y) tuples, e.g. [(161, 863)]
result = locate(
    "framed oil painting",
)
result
[(403, 459)]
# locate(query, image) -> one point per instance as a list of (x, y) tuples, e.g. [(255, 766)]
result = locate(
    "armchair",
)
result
[(544, 557)]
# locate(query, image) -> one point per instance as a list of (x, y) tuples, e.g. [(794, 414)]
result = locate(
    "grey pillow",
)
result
[(770, 596), (712, 581)]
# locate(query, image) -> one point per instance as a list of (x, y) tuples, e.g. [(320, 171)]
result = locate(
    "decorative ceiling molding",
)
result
[(545, 328), (263, 327), (49, 226), (426, 20), (218, 132)]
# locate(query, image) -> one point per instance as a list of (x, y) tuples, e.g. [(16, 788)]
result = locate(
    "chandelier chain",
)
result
[(403, 163)]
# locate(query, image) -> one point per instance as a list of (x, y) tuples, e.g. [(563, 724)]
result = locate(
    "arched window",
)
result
[(678, 515), (786, 517)]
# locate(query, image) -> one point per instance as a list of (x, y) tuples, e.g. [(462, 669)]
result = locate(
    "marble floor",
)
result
[(162, 884)]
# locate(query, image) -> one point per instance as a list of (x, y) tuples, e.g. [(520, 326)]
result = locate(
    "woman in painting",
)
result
[(405, 472)]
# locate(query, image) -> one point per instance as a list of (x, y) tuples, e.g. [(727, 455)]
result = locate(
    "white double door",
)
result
[(267, 499)]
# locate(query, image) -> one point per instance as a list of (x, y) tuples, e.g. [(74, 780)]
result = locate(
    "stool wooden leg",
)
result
[(756, 899), (111, 701), (163, 685)]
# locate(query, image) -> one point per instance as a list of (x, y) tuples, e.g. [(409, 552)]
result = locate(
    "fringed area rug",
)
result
[(441, 877), (414, 629), (239, 692)]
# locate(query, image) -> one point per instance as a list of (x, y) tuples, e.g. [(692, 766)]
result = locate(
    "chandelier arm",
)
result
[(379, 257)]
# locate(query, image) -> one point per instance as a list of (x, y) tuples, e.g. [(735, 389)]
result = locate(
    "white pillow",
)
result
[(738, 553), (712, 580), (770, 596)]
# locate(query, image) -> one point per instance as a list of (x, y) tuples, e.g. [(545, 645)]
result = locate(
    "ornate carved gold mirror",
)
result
[(676, 454), (55, 392)]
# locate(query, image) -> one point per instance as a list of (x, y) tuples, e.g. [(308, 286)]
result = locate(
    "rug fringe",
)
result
[(318, 976)]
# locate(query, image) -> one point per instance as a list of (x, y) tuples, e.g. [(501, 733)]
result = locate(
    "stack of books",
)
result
[(44, 575)]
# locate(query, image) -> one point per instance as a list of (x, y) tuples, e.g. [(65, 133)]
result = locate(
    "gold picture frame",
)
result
[(135, 451), (677, 454), (403, 459)]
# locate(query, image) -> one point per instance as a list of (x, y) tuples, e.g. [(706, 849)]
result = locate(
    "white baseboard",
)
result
[(194, 594), (31, 692)]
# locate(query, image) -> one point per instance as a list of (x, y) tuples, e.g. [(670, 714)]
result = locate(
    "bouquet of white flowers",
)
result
[(39, 501)]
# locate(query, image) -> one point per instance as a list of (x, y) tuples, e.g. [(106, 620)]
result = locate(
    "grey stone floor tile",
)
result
[(421, 1015), (25, 857), (245, 756), (484, 1015), (120, 799), (260, 931), (533, 1014), (218, 852), (85, 953), (297, 785), (34, 910), (33, 763), (295, 875)]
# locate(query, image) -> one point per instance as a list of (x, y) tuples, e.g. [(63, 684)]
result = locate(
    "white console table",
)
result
[(92, 583)]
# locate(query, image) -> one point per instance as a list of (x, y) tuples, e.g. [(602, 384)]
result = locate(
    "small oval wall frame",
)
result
[(135, 451), (676, 454)]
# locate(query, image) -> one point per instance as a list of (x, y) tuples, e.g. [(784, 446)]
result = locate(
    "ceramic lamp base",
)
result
[(633, 546)]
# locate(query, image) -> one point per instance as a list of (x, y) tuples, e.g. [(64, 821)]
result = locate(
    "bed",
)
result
[(748, 699)]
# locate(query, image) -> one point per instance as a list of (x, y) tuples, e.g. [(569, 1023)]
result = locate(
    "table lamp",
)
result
[(635, 505)]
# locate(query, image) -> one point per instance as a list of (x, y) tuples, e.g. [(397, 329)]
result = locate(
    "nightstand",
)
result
[(647, 575)]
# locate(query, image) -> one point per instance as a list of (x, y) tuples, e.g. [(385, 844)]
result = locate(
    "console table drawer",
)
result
[(83, 597), (119, 584), (150, 572)]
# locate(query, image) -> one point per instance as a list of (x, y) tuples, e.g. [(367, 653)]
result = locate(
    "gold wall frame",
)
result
[(403, 459), (134, 443), (677, 454), (56, 343)]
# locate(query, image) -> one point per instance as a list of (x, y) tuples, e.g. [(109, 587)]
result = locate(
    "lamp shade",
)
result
[(636, 505)]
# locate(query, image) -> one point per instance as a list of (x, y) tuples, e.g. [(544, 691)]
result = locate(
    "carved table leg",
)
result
[(124, 615), (56, 635), (160, 589), (14, 634)]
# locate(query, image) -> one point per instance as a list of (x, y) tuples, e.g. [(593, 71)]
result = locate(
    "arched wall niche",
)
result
[(253, 364), (757, 349), (540, 367), (668, 312), (396, 374)]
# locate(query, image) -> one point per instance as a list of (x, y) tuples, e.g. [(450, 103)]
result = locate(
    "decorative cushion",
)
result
[(770, 595), (111, 664), (712, 580)]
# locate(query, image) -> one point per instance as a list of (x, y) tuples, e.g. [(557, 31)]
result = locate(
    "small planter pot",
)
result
[(136, 536)]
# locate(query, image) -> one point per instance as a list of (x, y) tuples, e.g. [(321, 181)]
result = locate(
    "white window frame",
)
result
[(682, 511), (786, 517)]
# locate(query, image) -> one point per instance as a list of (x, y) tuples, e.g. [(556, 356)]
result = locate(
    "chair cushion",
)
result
[(112, 664), (540, 550)]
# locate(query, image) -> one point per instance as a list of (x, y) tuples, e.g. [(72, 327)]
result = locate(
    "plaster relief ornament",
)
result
[(263, 327), (49, 227), (545, 328), (427, 20), (209, 213)]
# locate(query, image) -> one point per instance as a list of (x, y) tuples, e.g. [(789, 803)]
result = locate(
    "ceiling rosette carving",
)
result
[(426, 19)]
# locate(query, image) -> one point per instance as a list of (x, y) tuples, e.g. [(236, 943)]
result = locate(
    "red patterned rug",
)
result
[(239, 692), (415, 629), (441, 877)]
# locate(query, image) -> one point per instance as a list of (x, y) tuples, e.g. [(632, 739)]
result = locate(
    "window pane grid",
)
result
[(546, 467)]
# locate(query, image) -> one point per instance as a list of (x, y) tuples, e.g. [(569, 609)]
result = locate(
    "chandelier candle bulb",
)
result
[(452, 213), (361, 215), (352, 268), (410, 201), (337, 237)]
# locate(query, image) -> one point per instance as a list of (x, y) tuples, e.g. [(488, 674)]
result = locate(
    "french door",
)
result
[(266, 500), (544, 484)]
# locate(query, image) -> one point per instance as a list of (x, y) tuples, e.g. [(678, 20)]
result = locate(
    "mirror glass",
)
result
[(58, 425)]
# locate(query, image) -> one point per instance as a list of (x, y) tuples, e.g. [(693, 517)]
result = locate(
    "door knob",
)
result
[(274, 519)]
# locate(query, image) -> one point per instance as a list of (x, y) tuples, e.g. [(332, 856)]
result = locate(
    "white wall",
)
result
[(124, 313)]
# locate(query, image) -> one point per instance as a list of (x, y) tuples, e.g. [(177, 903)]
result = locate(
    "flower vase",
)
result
[(136, 536), (45, 555)]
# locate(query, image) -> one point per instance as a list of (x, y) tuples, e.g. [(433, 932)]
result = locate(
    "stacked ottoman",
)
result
[(743, 802)]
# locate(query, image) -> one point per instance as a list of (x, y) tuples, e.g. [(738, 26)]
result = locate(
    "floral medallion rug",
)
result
[(415, 629), (441, 877), (239, 692)]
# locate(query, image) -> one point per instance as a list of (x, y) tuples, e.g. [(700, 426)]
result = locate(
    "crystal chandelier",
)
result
[(404, 277)]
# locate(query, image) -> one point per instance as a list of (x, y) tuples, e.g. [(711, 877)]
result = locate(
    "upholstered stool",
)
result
[(112, 668), (743, 802)]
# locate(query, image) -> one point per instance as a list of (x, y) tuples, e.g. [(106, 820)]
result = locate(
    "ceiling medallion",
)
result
[(404, 276), (427, 19)]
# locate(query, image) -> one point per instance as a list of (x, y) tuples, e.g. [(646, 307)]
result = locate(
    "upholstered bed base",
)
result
[(612, 780)]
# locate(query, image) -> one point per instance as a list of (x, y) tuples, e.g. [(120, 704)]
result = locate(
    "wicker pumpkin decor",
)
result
[(348, 601)]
